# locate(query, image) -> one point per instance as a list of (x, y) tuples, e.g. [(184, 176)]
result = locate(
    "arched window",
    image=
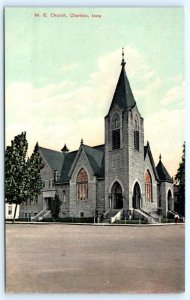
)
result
[(116, 132), (64, 196), (136, 135), (82, 185), (116, 122), (169, 200), (148, 187)]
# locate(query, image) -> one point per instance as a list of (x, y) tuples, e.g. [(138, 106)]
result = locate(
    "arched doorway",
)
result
[(136, 196), (169, 200), (117, 198)]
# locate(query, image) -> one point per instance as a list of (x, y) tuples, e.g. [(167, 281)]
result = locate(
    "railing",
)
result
[(176, 213), (46, 214), (106, 213), (152, 219), (40, 215), (145, 215), (117, 216)]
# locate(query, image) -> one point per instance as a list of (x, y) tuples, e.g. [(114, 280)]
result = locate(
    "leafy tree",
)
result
[(22, 175), (55, 207), (180, 181), (33, 166)]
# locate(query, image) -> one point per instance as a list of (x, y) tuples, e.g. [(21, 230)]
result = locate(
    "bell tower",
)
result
[(124, 146)]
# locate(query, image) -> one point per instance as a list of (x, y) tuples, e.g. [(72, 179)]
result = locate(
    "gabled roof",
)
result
[(163, 173), (53, 158), (68, 161), (95, 156), (123, 95), (148, 152)]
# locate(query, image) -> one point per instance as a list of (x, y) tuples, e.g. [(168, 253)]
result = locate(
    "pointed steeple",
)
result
[(123, 95), (162, 172)]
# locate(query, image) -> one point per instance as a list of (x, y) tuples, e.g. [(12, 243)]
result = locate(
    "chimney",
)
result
[(55, 176)]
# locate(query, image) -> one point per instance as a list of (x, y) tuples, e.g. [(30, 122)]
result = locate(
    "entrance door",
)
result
[(118, 201), (136, 196), (48, 203), (117, 197)]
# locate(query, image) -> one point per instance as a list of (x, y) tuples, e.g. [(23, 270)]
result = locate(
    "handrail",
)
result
[(42, 213), (149, 215), (175, 213), (117, 216), (106, 213)]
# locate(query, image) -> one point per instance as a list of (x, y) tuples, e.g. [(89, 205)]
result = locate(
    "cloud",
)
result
[(174, 96), (53, 118), (68, 67), (61, 113), (165, 132)]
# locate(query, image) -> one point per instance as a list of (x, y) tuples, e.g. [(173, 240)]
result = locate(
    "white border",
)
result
[(98, 3)]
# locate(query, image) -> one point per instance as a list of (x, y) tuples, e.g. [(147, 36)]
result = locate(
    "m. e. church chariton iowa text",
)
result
[(64, 15)]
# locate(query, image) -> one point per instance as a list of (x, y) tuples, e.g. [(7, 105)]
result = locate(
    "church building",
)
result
[(114, 180)]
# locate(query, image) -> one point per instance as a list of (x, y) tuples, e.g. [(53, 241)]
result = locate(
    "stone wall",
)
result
[(164, 189), (154, 204), (100, 204), (136, 157), (87, 207), (64, 194), (116, 160), (124, 165)]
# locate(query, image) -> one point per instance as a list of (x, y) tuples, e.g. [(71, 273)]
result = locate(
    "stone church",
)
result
[(116, 179)]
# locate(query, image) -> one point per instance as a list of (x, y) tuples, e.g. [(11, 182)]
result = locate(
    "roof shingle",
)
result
[(53, 158)]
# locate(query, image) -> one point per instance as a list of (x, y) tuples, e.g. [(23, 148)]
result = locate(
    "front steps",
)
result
[(112, 215), (40, 216), (150, 217)]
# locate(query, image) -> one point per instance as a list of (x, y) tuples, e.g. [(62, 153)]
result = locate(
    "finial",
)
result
[(160, 157), (81, 142), (123, 63), (147, 143), (65, 149)]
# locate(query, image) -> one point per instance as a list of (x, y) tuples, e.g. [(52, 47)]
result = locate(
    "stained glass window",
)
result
[(82, 185), (148, 187)]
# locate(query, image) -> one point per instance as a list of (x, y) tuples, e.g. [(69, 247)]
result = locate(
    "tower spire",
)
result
[(123, 63), (123, 96)]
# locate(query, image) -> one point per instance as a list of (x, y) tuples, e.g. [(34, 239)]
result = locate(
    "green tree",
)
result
[(33, 166), (22, 174), (55, 207), (180, 182)]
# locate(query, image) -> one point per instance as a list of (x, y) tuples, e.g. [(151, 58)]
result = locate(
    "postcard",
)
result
[(95, 150)]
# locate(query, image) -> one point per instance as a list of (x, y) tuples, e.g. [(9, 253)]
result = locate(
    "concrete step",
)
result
[(110, 215), (145, 215)]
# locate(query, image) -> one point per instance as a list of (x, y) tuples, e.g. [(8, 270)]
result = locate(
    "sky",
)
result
[(61, 72)]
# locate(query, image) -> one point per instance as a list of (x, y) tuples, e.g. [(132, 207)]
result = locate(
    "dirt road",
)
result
[(59, 258)]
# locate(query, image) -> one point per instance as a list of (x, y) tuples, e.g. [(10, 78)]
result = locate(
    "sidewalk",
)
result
[(95, 224)]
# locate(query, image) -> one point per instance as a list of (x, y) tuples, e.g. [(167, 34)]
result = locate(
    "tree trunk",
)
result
[(15, 213)]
